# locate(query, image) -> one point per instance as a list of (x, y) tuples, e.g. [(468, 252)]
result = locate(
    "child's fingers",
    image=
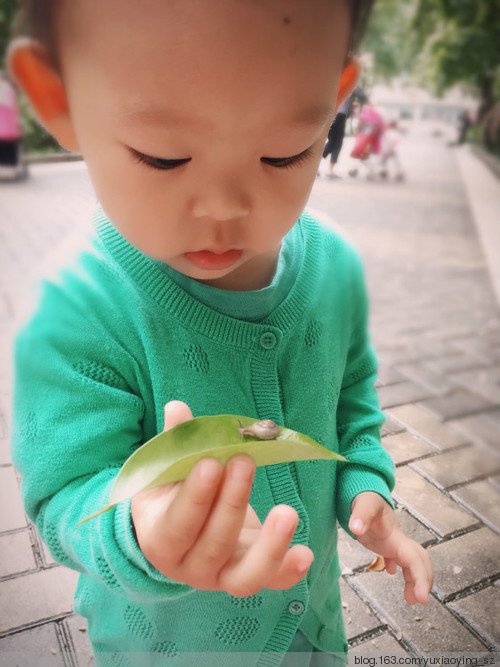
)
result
[(188, 511), (175, 412), (417, 572), (295, 566), (260, 565), (366, 507), (390, 565), (220, 535)]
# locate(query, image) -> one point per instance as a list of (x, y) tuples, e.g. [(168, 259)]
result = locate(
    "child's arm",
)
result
[(364, 504), (202, 532), (376, 527)]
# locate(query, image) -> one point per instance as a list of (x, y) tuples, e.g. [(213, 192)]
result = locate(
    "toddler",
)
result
[(204, 289)]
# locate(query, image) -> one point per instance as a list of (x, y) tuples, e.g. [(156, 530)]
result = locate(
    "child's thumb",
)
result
[(176, 412), (362, 514)]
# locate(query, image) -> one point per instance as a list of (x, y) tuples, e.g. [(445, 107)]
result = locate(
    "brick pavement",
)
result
[(436, 325)]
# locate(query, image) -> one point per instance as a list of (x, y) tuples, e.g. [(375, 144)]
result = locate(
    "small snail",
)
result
[(263, 430)]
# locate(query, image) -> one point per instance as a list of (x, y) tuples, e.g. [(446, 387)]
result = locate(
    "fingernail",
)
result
[(357, 525)]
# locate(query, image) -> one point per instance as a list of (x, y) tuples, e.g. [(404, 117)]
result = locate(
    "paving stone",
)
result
[(352, 554), (480, 429), (460, 465), (455, 363), (459, 563), (382, 645), (436, 383), (389, 375), (47, 557), (77, 628), (358, 617), (460, 402), (429, 629), (495, 481), (403, 392), (12, 512), (404, 447), (17, 554), (402, 354), (493, 416), (476, 347), (5, 459), (391, 426), (483, 381), (19, 605), (35, 647), (427, 426), (481, 611), (429, 504), (414, 529), (483, 500)]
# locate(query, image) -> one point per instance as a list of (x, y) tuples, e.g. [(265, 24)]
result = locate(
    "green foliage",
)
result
[(170, 456), (7, 11), (458, 42), (387, 37)]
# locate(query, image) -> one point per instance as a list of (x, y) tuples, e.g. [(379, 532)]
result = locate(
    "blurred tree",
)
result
[(387, 38), (7, 11), (458, 42)]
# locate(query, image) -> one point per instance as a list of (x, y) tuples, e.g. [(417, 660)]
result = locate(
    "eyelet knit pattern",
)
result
[(196, 358), (237, 631)]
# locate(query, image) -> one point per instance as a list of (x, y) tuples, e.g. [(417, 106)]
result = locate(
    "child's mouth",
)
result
[(212, 261)]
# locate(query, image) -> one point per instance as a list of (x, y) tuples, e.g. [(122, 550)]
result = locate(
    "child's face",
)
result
[(203, 122)]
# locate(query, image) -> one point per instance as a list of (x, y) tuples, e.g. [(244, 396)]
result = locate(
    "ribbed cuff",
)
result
[(353, 480)]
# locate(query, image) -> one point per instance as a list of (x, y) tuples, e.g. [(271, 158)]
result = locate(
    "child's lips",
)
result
[(212, 261)]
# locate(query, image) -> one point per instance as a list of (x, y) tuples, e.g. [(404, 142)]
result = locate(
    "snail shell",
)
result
[(263, 430)]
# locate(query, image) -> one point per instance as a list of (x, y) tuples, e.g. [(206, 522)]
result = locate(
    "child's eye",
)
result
[(287, 162), (157, 162)]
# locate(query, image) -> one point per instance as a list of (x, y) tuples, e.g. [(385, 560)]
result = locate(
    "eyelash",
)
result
[(288, 162), (161, 164)]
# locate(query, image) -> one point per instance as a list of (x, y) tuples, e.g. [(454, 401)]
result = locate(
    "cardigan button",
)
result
[(296, 608), (268, 340)]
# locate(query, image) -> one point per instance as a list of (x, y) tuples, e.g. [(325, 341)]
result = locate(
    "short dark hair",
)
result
[(360, 14), (36, 19)]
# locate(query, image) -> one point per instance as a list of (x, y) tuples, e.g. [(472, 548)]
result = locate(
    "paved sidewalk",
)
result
[(436, 325)]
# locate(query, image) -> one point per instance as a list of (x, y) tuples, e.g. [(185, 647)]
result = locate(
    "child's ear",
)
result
[(348, 80), (30, 67)]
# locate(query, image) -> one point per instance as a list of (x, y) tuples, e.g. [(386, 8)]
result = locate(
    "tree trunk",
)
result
[(486, 95)]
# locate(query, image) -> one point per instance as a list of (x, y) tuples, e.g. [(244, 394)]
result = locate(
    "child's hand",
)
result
[(375, 525), (202, 531)]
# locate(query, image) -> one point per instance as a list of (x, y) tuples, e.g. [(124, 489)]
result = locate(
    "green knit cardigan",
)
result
[(111, 340)]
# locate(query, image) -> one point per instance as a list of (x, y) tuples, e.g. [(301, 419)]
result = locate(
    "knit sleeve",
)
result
[(359, 417), (76, 419)]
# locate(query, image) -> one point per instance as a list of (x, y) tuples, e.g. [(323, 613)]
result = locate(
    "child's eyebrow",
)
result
[(315, 114)]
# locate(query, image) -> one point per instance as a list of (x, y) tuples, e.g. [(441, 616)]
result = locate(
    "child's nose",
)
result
[(221, 198)]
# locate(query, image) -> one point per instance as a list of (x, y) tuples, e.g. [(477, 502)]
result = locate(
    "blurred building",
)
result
[(409, 103)]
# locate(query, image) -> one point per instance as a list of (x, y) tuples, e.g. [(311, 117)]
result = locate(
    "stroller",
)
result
[(11, 164), (374, 146)]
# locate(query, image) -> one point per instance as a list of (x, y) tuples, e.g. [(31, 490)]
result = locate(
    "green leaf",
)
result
[(170, 456)]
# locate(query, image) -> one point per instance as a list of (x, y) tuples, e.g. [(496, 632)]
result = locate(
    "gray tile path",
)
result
[(436, 326)]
